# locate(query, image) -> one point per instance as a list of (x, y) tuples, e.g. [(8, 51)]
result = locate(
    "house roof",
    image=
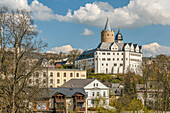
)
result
[(87, 54), (107, 26), (77, 83), (68, 92)]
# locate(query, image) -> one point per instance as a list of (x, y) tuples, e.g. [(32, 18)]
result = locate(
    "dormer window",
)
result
[(79, 97), (60, 97)]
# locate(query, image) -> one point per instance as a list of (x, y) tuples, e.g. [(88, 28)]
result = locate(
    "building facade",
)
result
[(112, 56), (94, 90), (53, 77), (62, 100)]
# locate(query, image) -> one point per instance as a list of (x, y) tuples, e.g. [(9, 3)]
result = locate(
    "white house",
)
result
[(112, 56), (93, 88)]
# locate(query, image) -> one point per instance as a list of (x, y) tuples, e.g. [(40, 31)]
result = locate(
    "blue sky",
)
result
[(140, 22)]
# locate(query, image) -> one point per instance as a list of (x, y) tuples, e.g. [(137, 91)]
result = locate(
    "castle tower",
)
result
[(119, 37), (107, 35)]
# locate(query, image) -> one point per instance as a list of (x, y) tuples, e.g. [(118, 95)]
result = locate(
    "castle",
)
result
[(112, 56)]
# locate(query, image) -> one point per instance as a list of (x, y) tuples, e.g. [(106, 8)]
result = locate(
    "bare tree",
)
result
[(73, 55), (18, 44)]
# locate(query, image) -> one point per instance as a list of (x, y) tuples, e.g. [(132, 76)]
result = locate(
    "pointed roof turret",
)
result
[(107, 26)]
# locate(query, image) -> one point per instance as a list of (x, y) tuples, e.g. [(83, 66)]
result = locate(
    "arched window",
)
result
[(64, 74), (77, 74)]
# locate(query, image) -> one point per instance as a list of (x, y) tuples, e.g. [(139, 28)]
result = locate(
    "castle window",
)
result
[(113, 53), (108, 53), (122, 59), (121, 64), (117, 59), (122, 53), (102, 64), (113, 59), (103, 53), (117, 53), (103, 59), (115, 64), (107, 64), (108, 59)]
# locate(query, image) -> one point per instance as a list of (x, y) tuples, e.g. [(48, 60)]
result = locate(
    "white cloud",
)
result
[(87, 32), (40, 11), (64, 49), (15, 4), (154, 49), (137, 13)]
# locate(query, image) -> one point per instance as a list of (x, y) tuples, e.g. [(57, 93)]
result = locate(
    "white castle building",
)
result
[(112, 56)]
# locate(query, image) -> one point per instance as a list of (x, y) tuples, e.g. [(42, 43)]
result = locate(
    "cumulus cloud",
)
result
[(154, 49), (87, 32), (137, 13), (41, 12), (64, 49), (15, 4)]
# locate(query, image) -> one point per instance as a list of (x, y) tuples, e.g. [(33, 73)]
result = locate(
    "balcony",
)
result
[(81, 109), (80, 100)]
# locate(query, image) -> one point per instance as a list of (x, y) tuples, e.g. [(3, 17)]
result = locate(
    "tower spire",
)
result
[(107, 26)]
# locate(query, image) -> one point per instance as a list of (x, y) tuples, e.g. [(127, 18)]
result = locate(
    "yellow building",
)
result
[(55, 77), (60, 76)]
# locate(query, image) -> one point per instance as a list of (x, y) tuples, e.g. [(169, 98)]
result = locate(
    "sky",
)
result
[(76, 24)]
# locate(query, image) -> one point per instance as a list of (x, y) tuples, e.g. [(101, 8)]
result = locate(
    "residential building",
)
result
[(62, 100), (112, 56), (152, 95), (55, 77), (93, 88)]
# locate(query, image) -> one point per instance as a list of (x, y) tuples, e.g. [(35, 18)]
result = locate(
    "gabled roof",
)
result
[(68, 92), (105, 45), (77, 83), (120, 46)]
